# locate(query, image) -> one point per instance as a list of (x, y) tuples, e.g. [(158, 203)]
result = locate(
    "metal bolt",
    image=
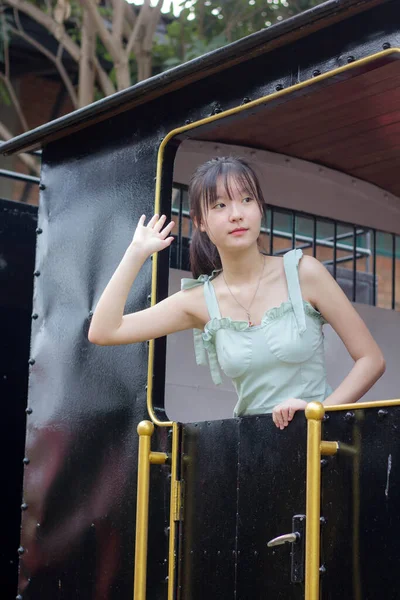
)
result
[(245, 100), (42, 186), (349, 417), (37, 525), (34, 316), (324, 462), (382, 413), (322, 520), (188, 121), (19, 597), (36, 273), (326, 417), (350, 59), (279, 87), (39, 230), (26, 461), (31, 361), (28, 411), (21, 550), (386, 46), (24, 506), (316, 73), (322, 570)]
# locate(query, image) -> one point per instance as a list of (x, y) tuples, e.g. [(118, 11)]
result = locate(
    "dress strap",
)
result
[(203, 341), (291, 262), (211, 300)]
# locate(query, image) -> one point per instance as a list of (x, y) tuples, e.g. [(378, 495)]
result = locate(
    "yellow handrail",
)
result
[(314, 413), (145, 430)]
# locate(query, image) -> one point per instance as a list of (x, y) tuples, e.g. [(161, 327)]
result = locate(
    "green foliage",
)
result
[(205, 25)]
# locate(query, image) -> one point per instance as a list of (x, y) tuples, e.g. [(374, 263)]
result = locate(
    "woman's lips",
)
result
[(238, 232)]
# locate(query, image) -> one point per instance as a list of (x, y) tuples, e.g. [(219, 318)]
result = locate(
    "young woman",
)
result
[(257, 317)]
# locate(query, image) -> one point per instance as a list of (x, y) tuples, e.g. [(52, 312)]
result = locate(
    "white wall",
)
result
[(192, 396)]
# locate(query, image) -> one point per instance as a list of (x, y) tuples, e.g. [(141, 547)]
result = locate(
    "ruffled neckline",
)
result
[(275, 312)]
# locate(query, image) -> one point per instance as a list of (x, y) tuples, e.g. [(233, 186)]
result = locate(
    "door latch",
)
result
[(296, 538)]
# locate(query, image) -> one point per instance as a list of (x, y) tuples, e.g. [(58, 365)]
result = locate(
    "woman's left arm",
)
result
[(326, 295)]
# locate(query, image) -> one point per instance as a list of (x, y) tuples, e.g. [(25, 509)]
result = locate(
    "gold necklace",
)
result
[(247, 310)]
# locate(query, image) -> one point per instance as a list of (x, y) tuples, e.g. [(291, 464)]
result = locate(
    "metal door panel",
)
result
[(272, 466), (209, 472), (360, 501)]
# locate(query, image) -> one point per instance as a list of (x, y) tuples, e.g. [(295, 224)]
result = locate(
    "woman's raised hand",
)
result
[(152, 237)]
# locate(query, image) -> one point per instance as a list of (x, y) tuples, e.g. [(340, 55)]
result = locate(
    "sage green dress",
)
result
[(281, 358)]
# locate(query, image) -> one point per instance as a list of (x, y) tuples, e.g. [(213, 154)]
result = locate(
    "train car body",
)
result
[(313, 101)]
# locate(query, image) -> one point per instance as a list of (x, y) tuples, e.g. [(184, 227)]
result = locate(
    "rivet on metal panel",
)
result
[(24, 506), (349, 417), (42, 186), (39, 230), (316, 73), (28, 411), (36, 273), (324, 462), (21, 550), (149, 297), (322, 570), (38, 525), (35, 316), (326, 417), (322, 520), (382, 413), (26, 461), (188, 121), (31, 361), (279, 87), (386, 45), (350, 59), (245, 100), (19, 597)]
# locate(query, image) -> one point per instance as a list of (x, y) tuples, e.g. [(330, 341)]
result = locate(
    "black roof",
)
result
[(256, 44)]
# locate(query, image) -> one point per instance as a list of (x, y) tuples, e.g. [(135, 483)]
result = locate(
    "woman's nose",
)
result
[(235, 213)]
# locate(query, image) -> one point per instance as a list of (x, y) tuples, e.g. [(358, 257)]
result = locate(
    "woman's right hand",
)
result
[(152, 237)]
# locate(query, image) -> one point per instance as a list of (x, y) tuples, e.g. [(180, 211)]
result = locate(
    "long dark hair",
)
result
[(204, 256)]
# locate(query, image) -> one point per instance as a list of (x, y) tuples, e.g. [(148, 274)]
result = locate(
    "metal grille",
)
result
[(363, 260)]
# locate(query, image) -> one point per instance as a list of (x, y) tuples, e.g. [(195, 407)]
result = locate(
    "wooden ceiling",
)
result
[(351, 125)]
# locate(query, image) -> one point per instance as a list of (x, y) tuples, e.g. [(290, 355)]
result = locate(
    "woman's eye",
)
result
[(247, 199), (219, 205)]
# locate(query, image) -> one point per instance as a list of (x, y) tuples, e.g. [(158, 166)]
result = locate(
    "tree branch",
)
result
[(118, 19), (61, 69), (58, 31), (111, 45), (28, 160), (15, 101)]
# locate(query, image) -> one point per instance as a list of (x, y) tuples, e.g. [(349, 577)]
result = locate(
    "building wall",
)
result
[(37, 97)]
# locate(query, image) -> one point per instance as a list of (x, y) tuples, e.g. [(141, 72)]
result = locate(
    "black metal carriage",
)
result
[(322, 88)]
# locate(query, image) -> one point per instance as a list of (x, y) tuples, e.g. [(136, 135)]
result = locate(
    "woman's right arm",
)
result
[(109, 326)]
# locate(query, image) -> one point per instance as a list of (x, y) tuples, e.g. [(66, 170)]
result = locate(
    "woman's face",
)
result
[(233, 221)]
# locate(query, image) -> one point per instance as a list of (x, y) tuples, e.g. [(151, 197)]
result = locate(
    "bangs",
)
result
[(234, 175)]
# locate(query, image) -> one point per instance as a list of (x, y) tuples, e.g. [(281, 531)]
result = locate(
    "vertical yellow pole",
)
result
[(314, 413), (145, 430), (174, 508)]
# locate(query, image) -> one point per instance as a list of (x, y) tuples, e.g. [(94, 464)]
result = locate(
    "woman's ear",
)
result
[(198, 225)]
